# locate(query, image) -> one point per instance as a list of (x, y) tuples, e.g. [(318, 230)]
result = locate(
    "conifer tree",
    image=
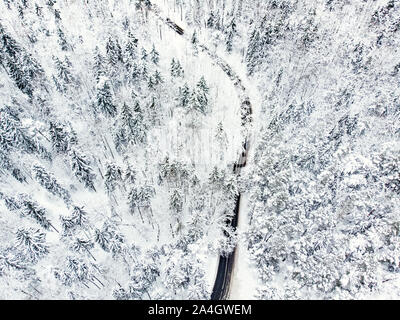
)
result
[(176, 202), (59, 137), (129, 175), (81, 168), (36, 212), (112, 177), (200, 96), (99, 69), (176, 69), (154, 55), (144, 55), (62, 41), (230, 34), (81, 245), (49, 182), (184, 95), (194, 40), (78, 218), (114, 52), (131, 48), (105, 100), (32, 243)]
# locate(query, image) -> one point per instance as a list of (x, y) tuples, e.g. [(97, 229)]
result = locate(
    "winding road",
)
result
[(226, 263)]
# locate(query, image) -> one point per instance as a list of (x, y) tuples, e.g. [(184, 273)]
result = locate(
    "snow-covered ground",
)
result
[(244, 281)]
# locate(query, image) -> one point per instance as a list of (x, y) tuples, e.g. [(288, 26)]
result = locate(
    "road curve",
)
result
[(226, 262)]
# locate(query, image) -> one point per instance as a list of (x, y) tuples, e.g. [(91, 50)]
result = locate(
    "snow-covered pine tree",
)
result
[(199, 98), (112, 177), (184, 96), (82, 246), (176, 202), (32, 243), (144, 55), (59, 137), (33, 210), (129, 177), (49, 182), (105, 99), (131, 48), (230, 33), (99, 65), (62, 41), (114, 52), (80, 166), (194, 40), (176, 69), (154, 55)]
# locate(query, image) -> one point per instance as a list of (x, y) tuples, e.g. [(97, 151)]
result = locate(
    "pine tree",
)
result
[(139, 131), (13, 135), (112, 177), (157, 78), (230, 187), (140, 198), (62, 41), (130, 56), (144, 74), (221, 138), (130, 128), (48, 181), (103, 237), (105, 100), (202, 86), (114, 52), (144, 55), (200, 96), (78, 218), (213, 21), (57, 15), (230, 34), (81, 245), (36, 212), (20, 76), (59, 137), (176, 69), (253, 51), (154, 55), (81, 168), (98, 65), (12, 204), (131, 47), (184, 95), (176, 202), (10, 46), (151, 83), (136, 72), (64, 75), (38, 10), (32, 242), (109, 239), (129, 175), (173, 68), (216, 179), (142, 276), (195, 42)]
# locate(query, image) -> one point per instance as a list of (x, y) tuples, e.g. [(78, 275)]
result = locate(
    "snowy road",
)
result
[(223, 279)]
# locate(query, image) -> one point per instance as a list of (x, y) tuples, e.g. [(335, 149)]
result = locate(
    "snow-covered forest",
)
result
[(121, 122)]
